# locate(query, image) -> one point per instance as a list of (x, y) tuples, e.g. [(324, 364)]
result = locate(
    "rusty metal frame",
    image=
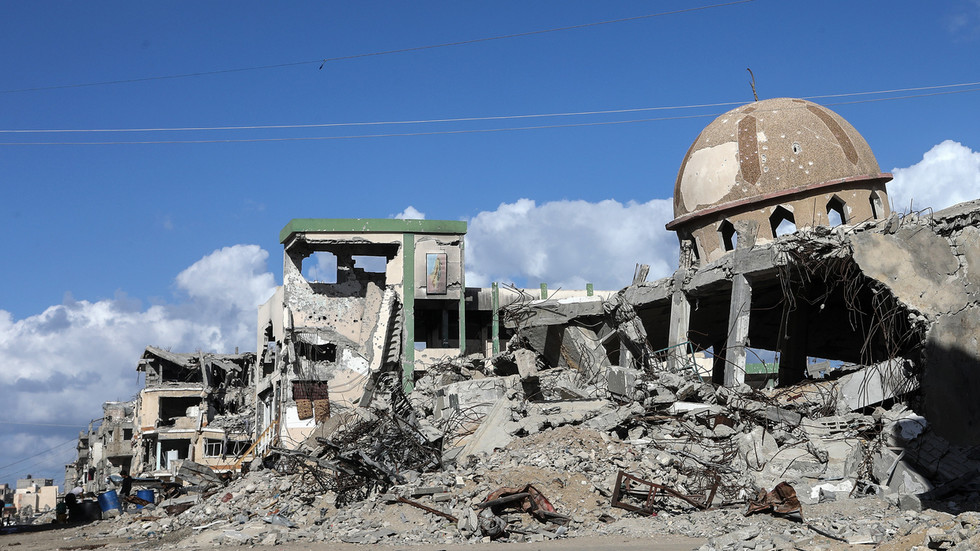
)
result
[(633, 486)]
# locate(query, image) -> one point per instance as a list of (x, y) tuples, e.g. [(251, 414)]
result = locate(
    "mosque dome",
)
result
[(768, 152)]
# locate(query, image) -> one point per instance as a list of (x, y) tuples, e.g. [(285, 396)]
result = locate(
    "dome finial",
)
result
[(756, 96)]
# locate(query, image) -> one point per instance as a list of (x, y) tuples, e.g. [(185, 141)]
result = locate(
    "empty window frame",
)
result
[(877, 208), (729, 237), (781, 221), (836, 211)]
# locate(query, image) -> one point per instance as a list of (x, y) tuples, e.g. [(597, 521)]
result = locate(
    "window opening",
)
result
[(729, 237), (836, 213), (374, 264), (212, 447), (320, 267), (876, 208), (781, 222), (173, 407)]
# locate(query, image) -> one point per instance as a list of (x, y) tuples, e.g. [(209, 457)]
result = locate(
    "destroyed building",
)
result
[(111, 443), (194, 406), (34, 495), (104, 449), (365, 302), (383, 384), (79, 471)]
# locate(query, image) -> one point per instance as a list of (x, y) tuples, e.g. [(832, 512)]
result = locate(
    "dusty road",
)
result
[(78, 538)]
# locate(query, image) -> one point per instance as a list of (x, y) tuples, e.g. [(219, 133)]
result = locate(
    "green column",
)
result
[(408, 286), (462, 298), (544, 291)]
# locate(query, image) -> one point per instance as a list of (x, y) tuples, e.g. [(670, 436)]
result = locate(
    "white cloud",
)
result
[(60, 365), (410, 213), (570, 243), (963, 22), (949, 173), (229, 278)]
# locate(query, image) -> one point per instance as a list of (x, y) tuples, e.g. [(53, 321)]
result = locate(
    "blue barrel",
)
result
[(109, 501), (144, 494)]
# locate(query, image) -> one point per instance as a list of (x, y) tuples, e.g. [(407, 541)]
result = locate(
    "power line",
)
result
[(464, 131), (40, 424), (372, 123), (480, 119), (39, 453), (324, 61), (393, 135)]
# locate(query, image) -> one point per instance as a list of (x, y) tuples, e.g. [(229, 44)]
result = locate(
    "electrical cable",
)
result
[(447, 132), (65, 443), (41, 424), (502, 117), (324, 61)]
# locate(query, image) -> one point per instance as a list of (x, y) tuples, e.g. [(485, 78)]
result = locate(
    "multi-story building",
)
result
[(368, 303), (35, 495), (193, 407)]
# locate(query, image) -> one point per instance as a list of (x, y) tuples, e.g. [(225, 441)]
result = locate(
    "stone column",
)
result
[(680, 321), (738, 330)]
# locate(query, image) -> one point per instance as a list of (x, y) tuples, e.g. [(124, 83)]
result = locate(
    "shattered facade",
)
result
[(391, 302), (104, 449), (194, 407)]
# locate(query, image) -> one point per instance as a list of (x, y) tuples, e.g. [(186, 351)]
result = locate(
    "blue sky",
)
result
[(113, 247)]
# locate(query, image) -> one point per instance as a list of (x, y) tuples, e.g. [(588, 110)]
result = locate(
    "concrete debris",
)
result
[(362, 430), (695, 462)]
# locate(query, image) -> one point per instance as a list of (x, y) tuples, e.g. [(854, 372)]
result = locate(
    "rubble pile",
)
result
[(478, 454)]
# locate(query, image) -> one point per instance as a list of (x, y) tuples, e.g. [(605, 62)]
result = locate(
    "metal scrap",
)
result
[(436, 512), (632, 486), (781, 500), (527, 499)]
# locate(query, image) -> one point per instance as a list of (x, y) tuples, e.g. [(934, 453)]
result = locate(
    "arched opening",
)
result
[(836, 211), (877, 210), (781, 222), (729, 238), (690, 256)]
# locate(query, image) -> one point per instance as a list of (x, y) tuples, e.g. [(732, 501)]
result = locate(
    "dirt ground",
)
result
[(79, 538)]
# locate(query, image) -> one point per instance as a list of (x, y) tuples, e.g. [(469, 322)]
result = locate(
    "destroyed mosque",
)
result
[(800, 300)]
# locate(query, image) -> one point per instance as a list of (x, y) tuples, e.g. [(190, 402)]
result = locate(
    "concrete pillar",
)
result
[(792, 353), (495, 327), (625, 356), (738, 330), (444, 329), (680, 322)]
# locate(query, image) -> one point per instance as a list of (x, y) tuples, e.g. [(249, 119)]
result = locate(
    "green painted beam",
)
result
[(462, 298), (369, 225), (408, 286)]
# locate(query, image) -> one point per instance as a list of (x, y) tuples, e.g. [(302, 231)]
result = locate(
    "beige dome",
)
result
[(766, 150)]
